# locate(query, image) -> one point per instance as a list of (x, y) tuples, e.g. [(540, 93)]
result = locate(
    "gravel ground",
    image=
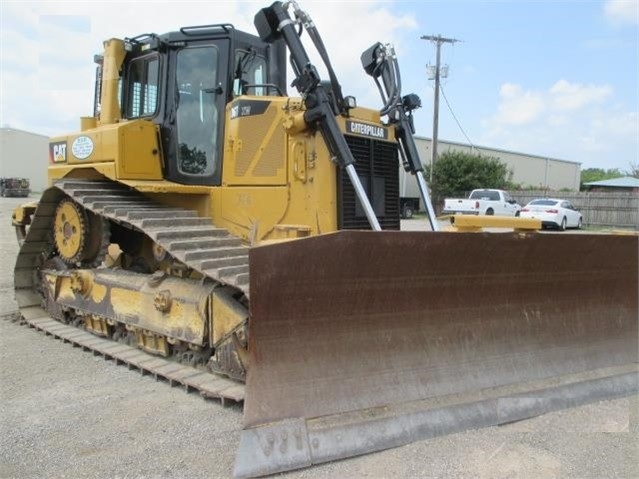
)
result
[(65, 413)]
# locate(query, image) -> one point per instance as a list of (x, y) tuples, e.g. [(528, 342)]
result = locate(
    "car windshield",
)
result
[(542, 203)]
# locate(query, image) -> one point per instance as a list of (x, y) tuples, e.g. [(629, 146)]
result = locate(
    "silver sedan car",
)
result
[(553, 213)]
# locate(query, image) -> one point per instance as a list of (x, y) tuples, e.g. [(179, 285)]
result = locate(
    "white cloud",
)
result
[(518, 107), (621, 12), (47, 70), (572, 96), (569, 121)]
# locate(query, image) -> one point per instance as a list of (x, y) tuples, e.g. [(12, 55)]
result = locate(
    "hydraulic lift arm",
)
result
[(274, 22), (380, 61)]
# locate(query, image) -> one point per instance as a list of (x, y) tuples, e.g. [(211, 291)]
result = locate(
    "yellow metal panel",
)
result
[(91, 146), (313, 185), (132, 146), (306, 205), (87, 171), (255, 143), (167, 187), (99, 292), (365, 114), (139, 156), (228, 314), (88, 122), (473, 222), (173, 307), (252, 212), (22, 214), (126, 304)]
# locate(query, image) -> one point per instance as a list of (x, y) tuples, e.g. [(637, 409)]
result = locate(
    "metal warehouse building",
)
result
[(24, 155), (536, 171)]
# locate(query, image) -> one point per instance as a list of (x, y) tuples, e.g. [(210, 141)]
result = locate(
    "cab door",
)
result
[(197, 98)]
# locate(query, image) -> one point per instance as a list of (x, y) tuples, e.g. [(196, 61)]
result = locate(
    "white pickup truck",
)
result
[(483, 202)]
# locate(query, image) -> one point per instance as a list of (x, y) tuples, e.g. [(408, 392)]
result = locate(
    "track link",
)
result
[(194, 241), (209, 385)]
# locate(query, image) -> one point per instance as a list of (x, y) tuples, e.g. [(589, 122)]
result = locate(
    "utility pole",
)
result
[(438, 40)]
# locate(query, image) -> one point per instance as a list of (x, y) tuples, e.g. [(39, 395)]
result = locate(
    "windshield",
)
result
[(543, 203)]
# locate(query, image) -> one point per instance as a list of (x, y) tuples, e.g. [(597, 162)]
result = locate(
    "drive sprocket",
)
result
[(80, 237)]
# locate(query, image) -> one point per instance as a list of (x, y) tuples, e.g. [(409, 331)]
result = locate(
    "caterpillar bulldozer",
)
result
[(208, 228)]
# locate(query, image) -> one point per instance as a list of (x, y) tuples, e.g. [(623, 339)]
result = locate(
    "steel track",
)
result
[(209, 385), (213, 252)]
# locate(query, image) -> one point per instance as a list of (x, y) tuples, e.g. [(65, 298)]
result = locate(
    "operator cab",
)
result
[(183, 80)]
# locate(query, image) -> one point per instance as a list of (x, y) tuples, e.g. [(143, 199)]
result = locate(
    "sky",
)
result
[(553, 78)]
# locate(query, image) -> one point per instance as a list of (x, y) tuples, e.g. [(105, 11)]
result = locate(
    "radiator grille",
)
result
[(377, 166)]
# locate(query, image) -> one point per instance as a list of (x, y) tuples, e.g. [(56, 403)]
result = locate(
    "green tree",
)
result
[(457, 172), (597, 174)]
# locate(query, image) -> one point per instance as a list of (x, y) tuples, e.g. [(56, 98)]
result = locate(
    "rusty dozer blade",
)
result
[(361, 341)]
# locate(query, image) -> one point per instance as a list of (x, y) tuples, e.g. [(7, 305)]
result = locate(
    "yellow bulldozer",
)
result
[(208, 228)]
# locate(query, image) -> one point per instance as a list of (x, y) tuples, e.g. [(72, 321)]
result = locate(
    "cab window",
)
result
[(250, 69), (142, 93)]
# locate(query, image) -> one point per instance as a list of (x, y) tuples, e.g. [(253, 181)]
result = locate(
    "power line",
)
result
[(457, 121)]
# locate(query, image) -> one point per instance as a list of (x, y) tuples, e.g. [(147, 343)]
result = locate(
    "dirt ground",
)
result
[(65, 413)]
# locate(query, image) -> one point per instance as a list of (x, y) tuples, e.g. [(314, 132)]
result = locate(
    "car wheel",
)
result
[(579, 223), (490, 212), (407, 213), (562, 226)]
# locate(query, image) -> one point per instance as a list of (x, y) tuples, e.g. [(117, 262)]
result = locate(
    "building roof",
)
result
[(623, 182), (498, 150), (8, 129)]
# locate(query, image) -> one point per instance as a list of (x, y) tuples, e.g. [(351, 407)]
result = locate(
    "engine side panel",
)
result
[(125, 151)]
